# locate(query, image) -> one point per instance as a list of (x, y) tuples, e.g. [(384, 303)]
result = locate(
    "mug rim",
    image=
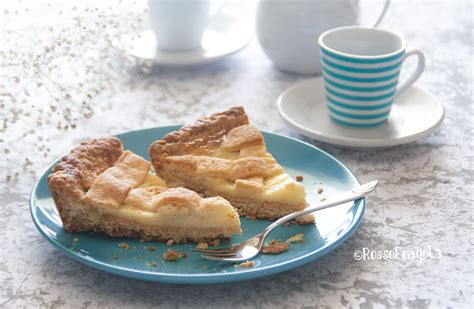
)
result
[(323, 45)]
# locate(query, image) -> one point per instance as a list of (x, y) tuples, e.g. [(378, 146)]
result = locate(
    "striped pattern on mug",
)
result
[(360, 91)]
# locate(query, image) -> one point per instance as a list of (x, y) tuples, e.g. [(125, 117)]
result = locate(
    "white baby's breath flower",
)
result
[(55, 76)]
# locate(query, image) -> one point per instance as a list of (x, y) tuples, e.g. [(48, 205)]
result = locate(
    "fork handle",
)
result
[(351, 195)]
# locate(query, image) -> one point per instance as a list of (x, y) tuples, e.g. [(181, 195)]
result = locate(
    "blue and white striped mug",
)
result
[(361, 68)]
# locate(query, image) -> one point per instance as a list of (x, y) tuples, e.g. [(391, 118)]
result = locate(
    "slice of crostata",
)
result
[(223, 155), (100, 187)]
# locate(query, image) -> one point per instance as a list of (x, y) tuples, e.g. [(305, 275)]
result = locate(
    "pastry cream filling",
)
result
[(222, 217), (280, 189), (212, 213)]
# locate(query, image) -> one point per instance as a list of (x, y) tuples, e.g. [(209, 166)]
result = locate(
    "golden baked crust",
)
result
[(223, 155), (82, 165), (207, 133), (98, 186), (228, 169), (74, 174), (112, 186)]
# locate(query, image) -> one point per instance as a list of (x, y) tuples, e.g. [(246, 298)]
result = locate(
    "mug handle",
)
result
[(419, 69), (382, 14)]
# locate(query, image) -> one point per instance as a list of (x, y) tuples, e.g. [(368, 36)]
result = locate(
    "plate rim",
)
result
[(213, 278), (356, 143)]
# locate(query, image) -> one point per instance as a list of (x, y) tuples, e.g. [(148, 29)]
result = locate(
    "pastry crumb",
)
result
[(202, 245), (322, 199), (295, 238), (114, 257), (185, 255), (171, 255), (150, 248), (299, 178), (251, 217), (75, 240), (247, 264), (275, 247), (214, 243), (306, 219), (153, 264), (123, 245), (320, 190), (170, 242)]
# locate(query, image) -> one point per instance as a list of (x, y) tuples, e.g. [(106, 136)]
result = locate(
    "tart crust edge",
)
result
[(208, 130), (75, 172)]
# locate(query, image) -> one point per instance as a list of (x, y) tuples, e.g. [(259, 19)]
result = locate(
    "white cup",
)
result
[(178, 24)]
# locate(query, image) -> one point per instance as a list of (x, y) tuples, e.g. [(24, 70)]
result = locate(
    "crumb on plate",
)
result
[(202, 245), (214, 243), (114, 257), (275, 247), (306, 219), (295, 238), (322, 199), (171, 255), (170, 242), (299, 178), (153, 264), (247, 264), (123, 245), (150, 248), (320, 190)]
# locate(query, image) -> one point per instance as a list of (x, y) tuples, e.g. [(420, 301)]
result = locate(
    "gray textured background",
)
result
[(425, 197)]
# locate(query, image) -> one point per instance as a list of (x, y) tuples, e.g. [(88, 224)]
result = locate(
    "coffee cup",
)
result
[(178, 24), (361, 69)]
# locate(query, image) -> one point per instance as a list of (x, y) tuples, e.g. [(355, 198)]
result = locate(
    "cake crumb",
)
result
[(214, 243), (150, 248), (320, 190), (275, 247), (123, 245), (153, 264), (170, 242), (141, 240), (114, 257), (185, 255), (171, 255), (299, 178), (322, 199), (75, 240), (202, 245), (247, 264), (251, 217), (295, 238)]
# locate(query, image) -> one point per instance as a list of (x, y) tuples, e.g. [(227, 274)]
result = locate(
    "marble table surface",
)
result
[(424, 200)]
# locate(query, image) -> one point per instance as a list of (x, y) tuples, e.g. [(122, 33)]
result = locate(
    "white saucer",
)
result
[(415, 114), (223, 37)]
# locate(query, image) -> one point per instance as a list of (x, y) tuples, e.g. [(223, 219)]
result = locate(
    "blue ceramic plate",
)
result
[(318, 168)]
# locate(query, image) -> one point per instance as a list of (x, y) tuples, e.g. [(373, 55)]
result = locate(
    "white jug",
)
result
[(288, 30)]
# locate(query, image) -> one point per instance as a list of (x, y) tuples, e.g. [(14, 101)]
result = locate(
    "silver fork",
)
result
[(250, 248)]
